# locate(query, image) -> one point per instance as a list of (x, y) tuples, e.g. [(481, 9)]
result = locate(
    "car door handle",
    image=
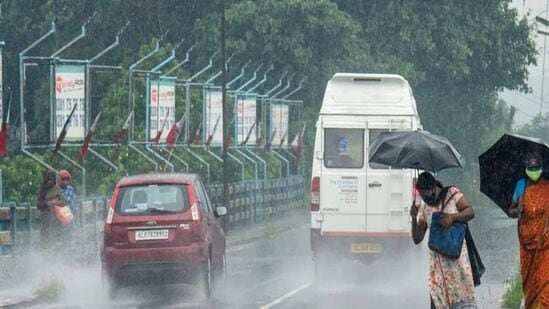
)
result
[(374, 184)]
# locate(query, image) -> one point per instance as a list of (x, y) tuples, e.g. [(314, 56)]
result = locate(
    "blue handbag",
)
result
[(446, 241)]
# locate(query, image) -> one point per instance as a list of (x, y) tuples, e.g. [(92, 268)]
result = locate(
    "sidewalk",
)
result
[(13, 297)]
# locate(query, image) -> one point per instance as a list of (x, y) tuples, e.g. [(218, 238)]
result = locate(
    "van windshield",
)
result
[(343, 148), (157, 199)]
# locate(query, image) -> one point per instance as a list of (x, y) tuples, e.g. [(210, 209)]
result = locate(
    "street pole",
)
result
[(545, 22), (544, 52), (224, 106)]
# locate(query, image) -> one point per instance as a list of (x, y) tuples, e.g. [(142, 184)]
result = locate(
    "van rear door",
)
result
[(343, 180), (389, 190)]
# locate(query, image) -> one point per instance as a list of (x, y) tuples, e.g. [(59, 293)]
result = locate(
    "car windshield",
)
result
[(157, 199)]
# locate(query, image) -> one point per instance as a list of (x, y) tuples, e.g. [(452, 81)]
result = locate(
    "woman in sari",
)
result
[(450, 280), (50, 195), (531, 206)]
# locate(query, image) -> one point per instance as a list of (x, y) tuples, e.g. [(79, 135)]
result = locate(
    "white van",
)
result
[(360, 210)]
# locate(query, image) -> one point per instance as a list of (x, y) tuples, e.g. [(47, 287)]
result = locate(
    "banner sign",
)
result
[(246, 116), (279, 121), (213, 115), (70, 89), (162, 106)]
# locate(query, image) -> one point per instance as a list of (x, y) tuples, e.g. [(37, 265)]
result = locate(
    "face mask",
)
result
[(430, 199), (534, 175)]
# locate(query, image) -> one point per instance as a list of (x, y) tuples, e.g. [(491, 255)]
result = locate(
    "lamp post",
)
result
[(224, 105), (545, 23)]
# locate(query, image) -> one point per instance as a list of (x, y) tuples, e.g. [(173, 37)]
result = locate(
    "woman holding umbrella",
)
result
[(450, 280), (531, 205)]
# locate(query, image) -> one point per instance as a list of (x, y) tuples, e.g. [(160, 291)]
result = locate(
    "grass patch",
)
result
[(513, 295), (271, 231), (49, 291)]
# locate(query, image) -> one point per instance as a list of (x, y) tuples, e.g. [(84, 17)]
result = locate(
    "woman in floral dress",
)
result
[(450, 280)]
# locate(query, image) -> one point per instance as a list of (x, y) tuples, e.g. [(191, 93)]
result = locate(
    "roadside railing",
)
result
[(249, 202)]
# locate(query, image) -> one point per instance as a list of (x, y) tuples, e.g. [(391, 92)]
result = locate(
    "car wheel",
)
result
[(221, 272), (109, 285), (205, 279)]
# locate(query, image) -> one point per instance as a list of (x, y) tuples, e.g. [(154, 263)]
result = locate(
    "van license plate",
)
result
[(365, 248), (151, 234)]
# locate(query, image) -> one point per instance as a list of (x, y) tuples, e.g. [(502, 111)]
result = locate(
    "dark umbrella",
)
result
[(414, 149), (504, 163)]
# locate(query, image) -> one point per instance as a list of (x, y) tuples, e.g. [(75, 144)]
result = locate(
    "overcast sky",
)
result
[(528, 105)]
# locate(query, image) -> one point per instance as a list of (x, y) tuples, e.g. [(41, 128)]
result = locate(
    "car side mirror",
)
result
[(221, 211)]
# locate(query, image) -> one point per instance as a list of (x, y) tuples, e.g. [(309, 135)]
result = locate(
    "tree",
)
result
[(462, 53), (538, 127), (456, 55)]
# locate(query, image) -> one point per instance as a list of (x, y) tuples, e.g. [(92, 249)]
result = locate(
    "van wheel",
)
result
[(321, 266), (205, 278)]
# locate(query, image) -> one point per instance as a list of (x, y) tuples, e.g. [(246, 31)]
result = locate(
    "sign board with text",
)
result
[(70, 89)]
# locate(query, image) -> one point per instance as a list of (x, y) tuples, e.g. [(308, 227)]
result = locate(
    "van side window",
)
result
[(373, 133), (343, 148)]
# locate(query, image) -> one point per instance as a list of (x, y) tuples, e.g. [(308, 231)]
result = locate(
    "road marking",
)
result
[(286, 296)]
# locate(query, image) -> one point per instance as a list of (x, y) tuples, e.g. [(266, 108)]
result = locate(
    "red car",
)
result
[(162, 228)]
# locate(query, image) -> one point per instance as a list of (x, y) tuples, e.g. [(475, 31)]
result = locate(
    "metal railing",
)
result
[(249, 202)]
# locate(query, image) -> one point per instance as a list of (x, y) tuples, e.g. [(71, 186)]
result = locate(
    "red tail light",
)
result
[(197, 227), (315, 194), (194, 206), (110, 213)]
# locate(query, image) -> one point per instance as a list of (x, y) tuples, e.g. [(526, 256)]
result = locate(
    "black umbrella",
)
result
[(414, 149), (504, 163)]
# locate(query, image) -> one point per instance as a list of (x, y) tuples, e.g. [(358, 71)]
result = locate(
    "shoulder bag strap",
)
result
[(445, 202)]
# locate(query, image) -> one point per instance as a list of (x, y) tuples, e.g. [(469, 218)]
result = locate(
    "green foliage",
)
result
[(49, 290), (513, 295), (456, 55), (538, 127), (21, 178), (461, 55)]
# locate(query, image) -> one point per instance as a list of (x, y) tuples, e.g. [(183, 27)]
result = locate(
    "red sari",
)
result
[(534, 245)]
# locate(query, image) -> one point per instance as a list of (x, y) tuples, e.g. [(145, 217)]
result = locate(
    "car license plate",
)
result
[(151, 234), (365, 248)]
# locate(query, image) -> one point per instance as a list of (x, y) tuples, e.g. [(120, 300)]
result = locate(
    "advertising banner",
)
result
[(162, 106), (213, 116), (280, 121), (70, 89), (245, 118)]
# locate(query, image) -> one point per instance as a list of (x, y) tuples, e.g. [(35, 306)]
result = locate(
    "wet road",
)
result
[(278, 272)]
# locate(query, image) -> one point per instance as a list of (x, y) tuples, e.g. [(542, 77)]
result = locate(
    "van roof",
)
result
[(368, 94)]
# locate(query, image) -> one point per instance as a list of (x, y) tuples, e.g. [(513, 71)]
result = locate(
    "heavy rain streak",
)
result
[(274, 154)]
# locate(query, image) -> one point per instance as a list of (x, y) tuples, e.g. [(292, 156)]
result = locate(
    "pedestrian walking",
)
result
[(530, 205), (69, 230), (450, 280)]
